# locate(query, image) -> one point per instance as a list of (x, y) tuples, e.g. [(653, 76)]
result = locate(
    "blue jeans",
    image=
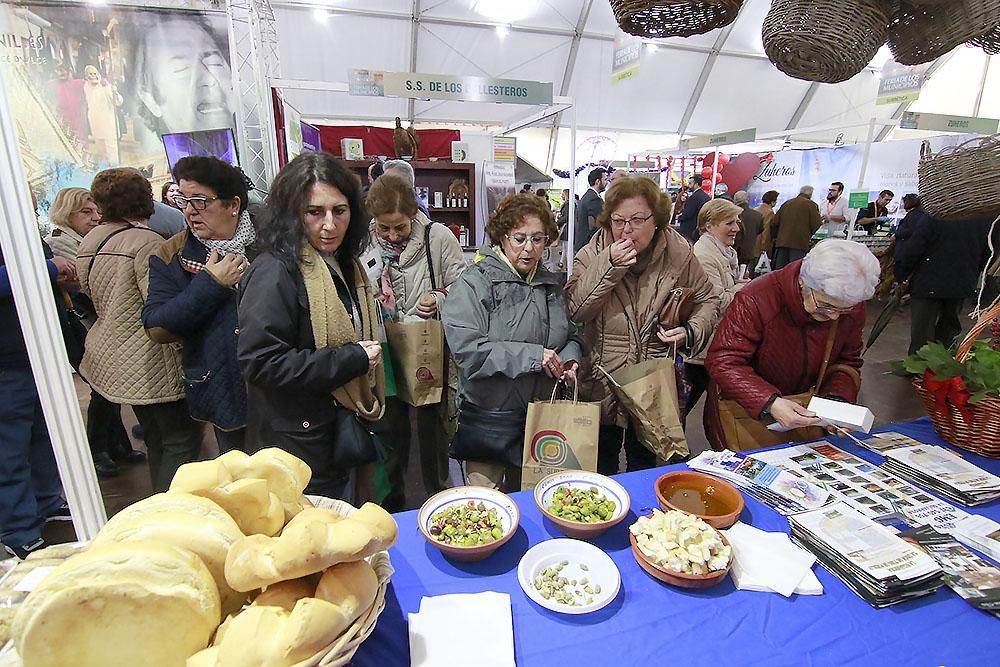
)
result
[(30, 489)]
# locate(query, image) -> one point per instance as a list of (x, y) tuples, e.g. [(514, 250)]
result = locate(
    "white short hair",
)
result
[(806, 190), (843, 270), (402, 168)]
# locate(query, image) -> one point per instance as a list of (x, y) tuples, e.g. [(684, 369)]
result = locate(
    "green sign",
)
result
[(627, 56), (722, 139), (858, 199), (941, 123), (466, 88), (900, 83)]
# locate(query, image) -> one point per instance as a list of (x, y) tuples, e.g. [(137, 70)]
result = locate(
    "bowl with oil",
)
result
[(718, 503)]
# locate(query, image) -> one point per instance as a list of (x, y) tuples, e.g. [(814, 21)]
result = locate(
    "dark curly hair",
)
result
[(511, 212), (636, 186), (225, 180), (122, 193), (281, 231)]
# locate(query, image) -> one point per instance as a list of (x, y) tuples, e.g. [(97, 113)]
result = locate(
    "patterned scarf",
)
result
[(244, 236), (390, 254)]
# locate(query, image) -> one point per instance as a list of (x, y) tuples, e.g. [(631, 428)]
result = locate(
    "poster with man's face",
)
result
[(97, 86)]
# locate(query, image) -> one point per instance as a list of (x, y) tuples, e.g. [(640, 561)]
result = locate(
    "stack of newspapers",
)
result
[(871, 559), (944, 472)]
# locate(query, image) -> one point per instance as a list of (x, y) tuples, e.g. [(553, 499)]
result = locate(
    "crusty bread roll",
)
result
[(207, 658), (285, 594), (146, 604), (312, 541), (169, 502), (208, 537), (273, 637), (351, 586), (60, 551), (287, 475)]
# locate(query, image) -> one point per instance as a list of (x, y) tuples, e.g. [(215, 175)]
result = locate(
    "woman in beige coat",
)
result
[(621, 282), (412, 262), (120, 362), (719, 224)]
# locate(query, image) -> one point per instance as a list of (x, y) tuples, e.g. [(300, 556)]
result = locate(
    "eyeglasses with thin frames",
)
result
[(199, 202), (520, 240), (635, 222), (825, 309)]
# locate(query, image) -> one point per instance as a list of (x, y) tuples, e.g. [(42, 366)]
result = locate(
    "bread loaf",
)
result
[(285, 594), (351, 586), (169, 502), (210, 538), (313, 540), (287, 475), (145, 604)]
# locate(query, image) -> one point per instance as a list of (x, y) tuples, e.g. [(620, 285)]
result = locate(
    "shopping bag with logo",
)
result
[(417, 351), (648, 391), (559, 435)]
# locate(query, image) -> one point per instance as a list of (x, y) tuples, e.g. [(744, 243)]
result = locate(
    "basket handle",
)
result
[(925, 150), (970, 339)]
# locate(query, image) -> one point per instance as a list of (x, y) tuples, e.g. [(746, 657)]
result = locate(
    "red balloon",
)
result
[(706, 172), (723, 160), (707, 187), (739, 172)]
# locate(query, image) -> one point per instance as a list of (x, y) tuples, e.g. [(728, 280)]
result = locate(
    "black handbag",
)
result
[(357, 441), (489, 436), (74, 333)]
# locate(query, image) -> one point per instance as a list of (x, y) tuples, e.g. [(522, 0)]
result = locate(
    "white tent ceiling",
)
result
[(709, 83)]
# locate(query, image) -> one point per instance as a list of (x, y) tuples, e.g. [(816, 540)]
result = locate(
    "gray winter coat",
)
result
[(497, 326)]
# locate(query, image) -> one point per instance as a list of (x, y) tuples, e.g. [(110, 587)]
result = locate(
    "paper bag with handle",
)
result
[(648, 391), (559, 435), (417, 351)]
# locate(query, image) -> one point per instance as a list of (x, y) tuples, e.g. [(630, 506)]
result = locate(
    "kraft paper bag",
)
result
[(559, 435), (417, 351), (648, 391)]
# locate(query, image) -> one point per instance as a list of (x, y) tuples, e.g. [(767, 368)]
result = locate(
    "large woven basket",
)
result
[(990, 42), (961, 181), (824, 40), (674, 18), (921, 33), (981, 434)]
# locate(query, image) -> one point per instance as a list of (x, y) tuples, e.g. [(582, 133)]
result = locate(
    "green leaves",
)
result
[(980, 370)]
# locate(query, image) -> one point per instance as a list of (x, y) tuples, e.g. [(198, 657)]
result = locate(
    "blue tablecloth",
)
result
[(650, 623)]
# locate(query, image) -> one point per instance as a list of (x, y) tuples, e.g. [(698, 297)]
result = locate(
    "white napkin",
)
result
[(769, 562), (450, 629)]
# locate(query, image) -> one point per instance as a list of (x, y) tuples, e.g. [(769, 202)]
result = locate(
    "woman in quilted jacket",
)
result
[(622, 280), (120, 362)]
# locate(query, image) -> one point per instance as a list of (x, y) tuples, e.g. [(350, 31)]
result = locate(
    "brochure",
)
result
[(941, 470)]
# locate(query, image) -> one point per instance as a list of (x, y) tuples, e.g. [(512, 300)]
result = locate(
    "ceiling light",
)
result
[(651, 47), (507, 11), (502, 31), (321, 15)]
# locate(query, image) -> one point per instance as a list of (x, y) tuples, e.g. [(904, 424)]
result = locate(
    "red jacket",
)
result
[(767, 344)]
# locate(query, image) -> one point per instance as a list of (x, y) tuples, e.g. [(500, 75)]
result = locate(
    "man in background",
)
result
[(877, 212), (752, 222), (793, 226), (590, 208), (404, 170), (692, 207), (834, 211)]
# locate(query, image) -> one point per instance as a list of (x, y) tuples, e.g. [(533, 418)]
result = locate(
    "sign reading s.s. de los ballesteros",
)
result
[(466, 88)]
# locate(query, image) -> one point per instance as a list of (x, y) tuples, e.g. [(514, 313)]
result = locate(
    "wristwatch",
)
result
[(766, 412)]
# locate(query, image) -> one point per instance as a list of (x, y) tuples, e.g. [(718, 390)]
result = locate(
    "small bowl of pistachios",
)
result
[(468, 523), (582, 504), (568, 576)]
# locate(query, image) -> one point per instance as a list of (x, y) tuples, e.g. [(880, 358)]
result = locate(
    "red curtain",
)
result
[(378, 140)]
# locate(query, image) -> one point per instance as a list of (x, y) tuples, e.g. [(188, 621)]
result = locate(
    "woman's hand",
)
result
[(374, 351), (792, 415), (623, 253), (427, 306), (675, 336), (226, 270), (569, 372), (65, 270), (552, 364)]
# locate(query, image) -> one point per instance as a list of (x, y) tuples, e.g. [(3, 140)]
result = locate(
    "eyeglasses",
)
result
[(199, 203), (823, 308), (520, 240), (635, 221)]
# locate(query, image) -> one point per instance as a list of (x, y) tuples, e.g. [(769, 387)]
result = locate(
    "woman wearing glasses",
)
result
[(783, 335), (192, 292), (412, 263), (506, 324), (621, 283)]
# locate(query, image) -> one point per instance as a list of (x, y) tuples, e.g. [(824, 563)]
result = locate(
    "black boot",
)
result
[(105, 465)]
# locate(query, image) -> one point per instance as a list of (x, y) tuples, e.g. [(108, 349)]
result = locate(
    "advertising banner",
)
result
[(97, 86), (627, 56)]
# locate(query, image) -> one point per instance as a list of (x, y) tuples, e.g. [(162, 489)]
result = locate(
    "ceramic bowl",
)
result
[(546, 489), (681, 579), (506, 509), (680, 481)]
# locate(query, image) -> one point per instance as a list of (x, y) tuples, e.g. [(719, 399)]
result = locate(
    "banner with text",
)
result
[(627, 56), (466, 88)]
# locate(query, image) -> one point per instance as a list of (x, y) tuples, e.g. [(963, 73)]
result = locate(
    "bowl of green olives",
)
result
[(468, 523), (582, 504)]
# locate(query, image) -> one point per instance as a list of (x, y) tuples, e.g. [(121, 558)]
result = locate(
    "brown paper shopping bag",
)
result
[(417, 350), (559, 435), (648, 391)]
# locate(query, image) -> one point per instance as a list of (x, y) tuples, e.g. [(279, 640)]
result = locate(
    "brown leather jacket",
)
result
[(795, 223), (619, 308)]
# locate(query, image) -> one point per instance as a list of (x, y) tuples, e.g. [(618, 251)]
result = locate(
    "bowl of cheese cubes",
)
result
[(680, 549)]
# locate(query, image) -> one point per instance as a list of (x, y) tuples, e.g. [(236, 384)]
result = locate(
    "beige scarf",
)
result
[(331, 325)]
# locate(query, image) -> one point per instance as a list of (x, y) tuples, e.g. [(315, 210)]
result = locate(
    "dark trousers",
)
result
[(697, 377), (433, 439), (230, 440), (172, 439), (30, 489), (934, 320), (609, 444), (105, 430), (785, 256)]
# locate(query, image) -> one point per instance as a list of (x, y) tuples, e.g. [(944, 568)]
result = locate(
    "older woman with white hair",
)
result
[(787, 336)]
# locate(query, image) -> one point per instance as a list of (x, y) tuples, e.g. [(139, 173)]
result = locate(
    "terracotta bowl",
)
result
[(546, 489), (506, 509), (700, 484), (680, 579)]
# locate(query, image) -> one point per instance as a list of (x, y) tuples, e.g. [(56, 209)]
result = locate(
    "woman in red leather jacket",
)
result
[(771, 342)]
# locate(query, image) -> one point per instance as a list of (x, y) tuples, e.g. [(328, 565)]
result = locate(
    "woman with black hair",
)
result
[(309, 329), (192, 292)]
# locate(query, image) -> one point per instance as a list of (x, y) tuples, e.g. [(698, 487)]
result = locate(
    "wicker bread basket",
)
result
[(828, 41), (923, 32), (674, 18), (961, 181)]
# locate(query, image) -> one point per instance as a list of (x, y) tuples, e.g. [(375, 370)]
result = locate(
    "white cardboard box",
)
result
[(352, 149), (846, 415)]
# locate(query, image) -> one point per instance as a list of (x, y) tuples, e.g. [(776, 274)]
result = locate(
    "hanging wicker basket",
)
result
[(990, 42), (981, 433), (961, 181), (828, 41), (921, 33), (674, 18)]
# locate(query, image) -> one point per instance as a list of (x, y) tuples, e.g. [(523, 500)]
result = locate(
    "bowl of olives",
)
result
[(468, 523), (582, 504)]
